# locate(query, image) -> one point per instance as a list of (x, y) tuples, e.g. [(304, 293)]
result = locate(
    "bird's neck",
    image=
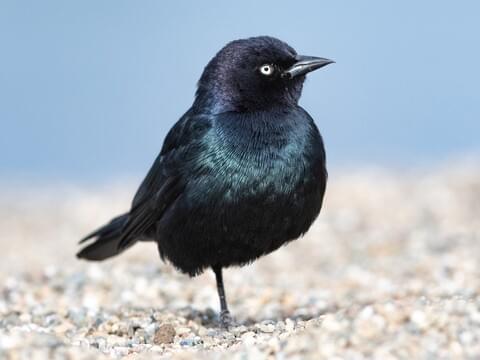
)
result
[(217, 100)]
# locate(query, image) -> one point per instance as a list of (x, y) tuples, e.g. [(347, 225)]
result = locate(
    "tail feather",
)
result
[(107, 240)]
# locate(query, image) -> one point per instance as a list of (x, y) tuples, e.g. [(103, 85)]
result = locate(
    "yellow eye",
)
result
[(266, 69)]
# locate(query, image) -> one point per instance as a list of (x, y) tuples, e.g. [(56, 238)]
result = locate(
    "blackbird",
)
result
[(240, 174)]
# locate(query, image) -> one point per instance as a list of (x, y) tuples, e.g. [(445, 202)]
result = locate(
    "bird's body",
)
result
[(240, 174), (246, 188)]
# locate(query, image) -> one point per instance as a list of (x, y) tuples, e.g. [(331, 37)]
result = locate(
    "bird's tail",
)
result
[(107, 240)]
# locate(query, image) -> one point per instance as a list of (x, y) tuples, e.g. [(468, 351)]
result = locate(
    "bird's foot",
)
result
[(226, 320)]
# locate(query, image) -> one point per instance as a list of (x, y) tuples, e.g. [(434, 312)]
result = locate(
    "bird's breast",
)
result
[(259, 157)]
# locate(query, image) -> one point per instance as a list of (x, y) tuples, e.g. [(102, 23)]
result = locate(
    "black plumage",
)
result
[(239, 175)]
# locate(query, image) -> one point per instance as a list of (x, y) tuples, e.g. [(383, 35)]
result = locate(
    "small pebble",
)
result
[(267, 328), (165, 334), (191, 341)]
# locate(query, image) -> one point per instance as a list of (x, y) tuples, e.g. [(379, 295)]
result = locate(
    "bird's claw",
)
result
[(226, 320)]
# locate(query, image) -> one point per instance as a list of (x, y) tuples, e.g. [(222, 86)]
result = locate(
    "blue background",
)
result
[(88, 89)]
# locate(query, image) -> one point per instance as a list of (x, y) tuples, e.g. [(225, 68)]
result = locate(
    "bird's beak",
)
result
[(305, 64)]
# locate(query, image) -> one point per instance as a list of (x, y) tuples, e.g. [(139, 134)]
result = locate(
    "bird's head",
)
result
[(254, 74)]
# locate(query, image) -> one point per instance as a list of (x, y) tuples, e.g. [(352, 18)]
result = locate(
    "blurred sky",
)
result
[(88, 89)]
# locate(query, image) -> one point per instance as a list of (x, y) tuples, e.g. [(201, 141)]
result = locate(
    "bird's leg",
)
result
[(225, 317)]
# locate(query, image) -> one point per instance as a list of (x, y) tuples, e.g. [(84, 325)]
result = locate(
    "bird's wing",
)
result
[(166, 178), (144, 215)]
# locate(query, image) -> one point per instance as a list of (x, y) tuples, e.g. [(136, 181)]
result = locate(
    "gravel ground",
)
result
[(390, 270)]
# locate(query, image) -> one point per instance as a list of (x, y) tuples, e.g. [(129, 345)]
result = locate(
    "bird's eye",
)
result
[(266, 69)]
